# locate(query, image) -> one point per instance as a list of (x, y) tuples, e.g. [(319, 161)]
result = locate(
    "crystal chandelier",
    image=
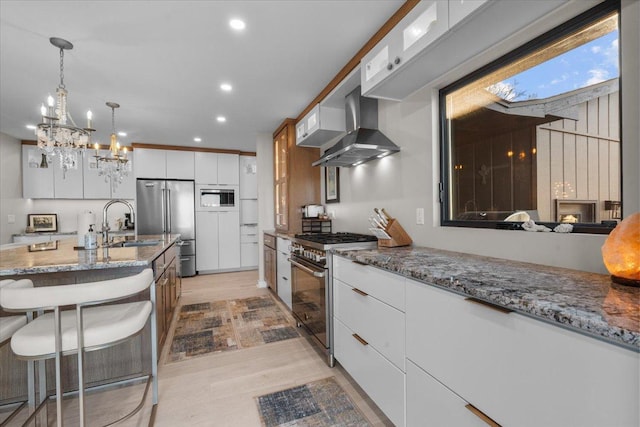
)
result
[(115, 165), (58, 134)]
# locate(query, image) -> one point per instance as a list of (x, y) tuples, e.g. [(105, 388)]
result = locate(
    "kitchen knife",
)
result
[(380, 217), (386, 216), (378, 223)]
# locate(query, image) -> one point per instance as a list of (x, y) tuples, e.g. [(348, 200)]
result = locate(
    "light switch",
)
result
[(11, 219), (420, 216)]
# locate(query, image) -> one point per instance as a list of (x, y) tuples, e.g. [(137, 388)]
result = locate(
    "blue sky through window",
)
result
[(591, 63)]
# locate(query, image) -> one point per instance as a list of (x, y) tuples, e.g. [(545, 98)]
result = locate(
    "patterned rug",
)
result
[(217, 326), (321, 403)]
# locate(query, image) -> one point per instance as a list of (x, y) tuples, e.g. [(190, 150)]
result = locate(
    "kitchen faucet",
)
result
[(105, 222)]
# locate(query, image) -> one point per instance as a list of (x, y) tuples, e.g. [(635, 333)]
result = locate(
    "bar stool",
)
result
[(8, 326), (54, 335)]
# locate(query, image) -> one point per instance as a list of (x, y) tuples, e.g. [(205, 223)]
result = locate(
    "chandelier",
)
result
[(115, 165), (58, 134)]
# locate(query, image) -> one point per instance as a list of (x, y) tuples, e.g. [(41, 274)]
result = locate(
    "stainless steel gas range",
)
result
[(312, 281)]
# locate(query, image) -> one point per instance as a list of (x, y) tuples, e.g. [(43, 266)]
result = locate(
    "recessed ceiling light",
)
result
[(226, 87), (122, 133), (221, 119), (31, 127), (237, 24), (196, 139)]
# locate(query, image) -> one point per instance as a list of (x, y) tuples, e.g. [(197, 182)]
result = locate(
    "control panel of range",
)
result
[(314, 255)]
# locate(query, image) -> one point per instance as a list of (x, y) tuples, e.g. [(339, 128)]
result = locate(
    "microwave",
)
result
[(217, 197)]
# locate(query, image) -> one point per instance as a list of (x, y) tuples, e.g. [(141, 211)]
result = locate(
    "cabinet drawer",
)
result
[(382, 381), (158, 267), (387, 287), (269, 240), (508, 364), (429, 403), (381, 325)]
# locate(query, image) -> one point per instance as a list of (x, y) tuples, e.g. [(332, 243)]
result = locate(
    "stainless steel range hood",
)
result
[(363, 141)]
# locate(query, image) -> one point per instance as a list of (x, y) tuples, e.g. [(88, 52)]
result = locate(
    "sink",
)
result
[(132, 243)]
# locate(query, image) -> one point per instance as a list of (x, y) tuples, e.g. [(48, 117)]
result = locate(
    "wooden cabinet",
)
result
[(217, 241), (423, 25), (270, 262), (507, 365), (296, 182), (217, 168), (319, 126), (154, 163), (167, 291), (369, 327)]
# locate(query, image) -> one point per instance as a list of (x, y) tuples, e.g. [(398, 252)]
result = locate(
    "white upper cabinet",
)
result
[(248, 177), (217, 168), (206, 165), (67, 185), (95, 186), (127, 188), (152, 163), (460, 9), (320, 125), (180, 164), (37, 182), (228, 169), (423, 25)]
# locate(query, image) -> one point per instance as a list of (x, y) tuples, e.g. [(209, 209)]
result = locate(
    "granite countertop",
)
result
[(584, 302), (127, 232), (34, 259)]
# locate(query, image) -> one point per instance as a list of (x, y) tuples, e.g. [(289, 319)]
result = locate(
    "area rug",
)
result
[(321, 403), (218, 326)]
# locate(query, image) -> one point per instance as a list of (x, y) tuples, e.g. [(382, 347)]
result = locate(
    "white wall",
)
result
[(12, 203), (409, 179), (264, 156)]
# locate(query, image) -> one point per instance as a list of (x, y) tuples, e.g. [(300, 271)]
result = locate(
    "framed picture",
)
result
[(43, 222), (332, 184), (51, 245)]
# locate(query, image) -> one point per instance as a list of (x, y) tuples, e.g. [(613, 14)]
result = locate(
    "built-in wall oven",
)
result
[(312, 284)]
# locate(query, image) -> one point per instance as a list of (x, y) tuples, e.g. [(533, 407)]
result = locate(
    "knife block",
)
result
[(399, 237)]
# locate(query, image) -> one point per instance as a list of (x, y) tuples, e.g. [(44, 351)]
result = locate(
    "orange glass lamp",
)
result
[(621, 252)]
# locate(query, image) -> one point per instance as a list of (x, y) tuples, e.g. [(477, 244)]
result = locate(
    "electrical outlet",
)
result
[(420, 216), (11, 219)]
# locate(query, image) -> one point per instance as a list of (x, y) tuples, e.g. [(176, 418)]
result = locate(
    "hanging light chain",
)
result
[(113, 120), (62, 68)]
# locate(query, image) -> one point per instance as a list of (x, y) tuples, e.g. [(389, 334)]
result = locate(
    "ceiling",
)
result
[(164, 61)]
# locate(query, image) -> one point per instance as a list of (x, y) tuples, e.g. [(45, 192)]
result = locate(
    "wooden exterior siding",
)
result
[(580, 160)]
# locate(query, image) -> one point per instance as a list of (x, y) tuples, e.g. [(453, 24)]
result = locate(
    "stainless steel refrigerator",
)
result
[(167, 206)]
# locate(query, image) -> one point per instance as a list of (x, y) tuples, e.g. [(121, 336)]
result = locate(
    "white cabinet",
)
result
[(97, 187), (283, 271), (248, 245), (248, 177), (319, 126), (152, 163), (460, 9), (229, 240), (180, 164), (423, 25), (369, 328), (507, 365), (67, 185), (217, 241), (217, 168), (37, 182), (429, 403)]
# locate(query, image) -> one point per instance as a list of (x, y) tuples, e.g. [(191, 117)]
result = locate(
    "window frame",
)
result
[(568, 27)]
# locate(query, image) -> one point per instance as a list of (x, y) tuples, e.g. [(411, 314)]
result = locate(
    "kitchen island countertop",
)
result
[(27, 259), (584, 302)]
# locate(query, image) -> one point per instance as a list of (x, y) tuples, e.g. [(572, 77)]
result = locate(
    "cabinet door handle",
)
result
[(355, 261), (484, 417), (397, 60), (389, 66), (489, 305), (359, 292), (360, 339)]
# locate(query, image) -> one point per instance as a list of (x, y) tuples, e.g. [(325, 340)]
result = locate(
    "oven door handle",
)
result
[(307, 269)]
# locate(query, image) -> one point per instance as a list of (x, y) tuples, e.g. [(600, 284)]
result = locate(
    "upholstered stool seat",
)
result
[(54, 334), (10, 324)]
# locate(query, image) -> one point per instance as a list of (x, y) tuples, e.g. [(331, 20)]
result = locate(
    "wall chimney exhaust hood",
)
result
[(363, 141)]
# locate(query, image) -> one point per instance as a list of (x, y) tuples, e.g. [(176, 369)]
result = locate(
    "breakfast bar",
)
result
[(60, 262)]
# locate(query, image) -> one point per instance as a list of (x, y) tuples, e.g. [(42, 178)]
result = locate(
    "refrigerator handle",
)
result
[(168, 211), (164, 211)]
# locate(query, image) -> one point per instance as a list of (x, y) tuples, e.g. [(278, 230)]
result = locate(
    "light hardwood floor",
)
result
[(220, 389)]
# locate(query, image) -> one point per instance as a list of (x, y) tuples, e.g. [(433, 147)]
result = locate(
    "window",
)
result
[(536, 134)]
